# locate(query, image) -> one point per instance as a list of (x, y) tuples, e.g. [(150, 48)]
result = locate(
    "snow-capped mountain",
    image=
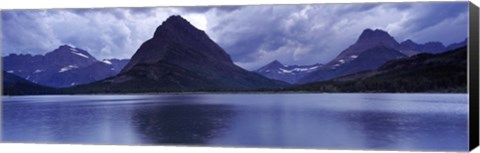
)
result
[(368, 39), (287, 73), (372, 49), (63, 67), (67, 55)]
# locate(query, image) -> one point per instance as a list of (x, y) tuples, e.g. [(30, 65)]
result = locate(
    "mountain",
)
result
[(372, 49), (457, 45), (429, 47), (367, 60), (63, 67), (371, 38), (15, 85), (433, 47), (410, 48), (180, 57), (425, 72), (368, 39), (67, 55), (287, 73)]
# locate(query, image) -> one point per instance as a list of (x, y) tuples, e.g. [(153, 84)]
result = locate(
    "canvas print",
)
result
[(368, 76)]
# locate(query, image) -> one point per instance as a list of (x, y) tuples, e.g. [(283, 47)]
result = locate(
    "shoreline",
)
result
[(233, 93)]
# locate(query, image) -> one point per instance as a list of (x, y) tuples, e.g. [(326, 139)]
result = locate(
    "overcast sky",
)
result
[(252, 35)]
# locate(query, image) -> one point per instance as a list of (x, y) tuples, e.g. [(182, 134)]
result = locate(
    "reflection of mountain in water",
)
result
[(184, 120)]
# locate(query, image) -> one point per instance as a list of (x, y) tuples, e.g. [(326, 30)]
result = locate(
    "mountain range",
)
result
[(182, 58), (425, 72), (372, 49), (63, 67), (287, 73)]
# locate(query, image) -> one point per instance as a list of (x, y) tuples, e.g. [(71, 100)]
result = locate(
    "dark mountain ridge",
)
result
[(15, 85)]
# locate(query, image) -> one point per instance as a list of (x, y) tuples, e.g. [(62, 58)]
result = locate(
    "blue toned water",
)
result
[(332, 121)]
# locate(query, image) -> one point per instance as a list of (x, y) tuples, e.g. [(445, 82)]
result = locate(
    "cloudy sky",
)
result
[(252, 35)]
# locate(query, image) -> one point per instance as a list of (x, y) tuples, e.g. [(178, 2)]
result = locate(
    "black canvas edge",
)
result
[(473, 81)]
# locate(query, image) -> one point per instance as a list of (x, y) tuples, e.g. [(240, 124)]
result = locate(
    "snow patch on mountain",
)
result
[(38, 71), (107, 62), (80, 54), (68, 68)]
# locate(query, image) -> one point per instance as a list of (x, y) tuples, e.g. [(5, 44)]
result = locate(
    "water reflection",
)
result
[(183, 120), (333, 121), (403, 131)]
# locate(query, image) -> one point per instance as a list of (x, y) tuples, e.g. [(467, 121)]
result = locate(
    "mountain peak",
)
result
[(276, 63), (175, 18), (69, 54), (410, 44), (377, 34), (408, 41), (70, 49), (177, 39), (367, 30), (175, 24), (64, 47), (368, 39)]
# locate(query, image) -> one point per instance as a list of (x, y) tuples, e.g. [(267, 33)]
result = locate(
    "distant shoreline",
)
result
[(232, 93)]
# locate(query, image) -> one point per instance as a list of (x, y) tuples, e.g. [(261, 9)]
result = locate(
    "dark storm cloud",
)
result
[(292, 34), (252, 35), (106, 33), (305, 34)]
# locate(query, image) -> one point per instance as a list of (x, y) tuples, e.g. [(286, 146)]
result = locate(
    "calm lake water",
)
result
[(329, 121)]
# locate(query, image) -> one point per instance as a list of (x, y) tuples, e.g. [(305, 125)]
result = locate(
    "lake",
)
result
[(427, 122)]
